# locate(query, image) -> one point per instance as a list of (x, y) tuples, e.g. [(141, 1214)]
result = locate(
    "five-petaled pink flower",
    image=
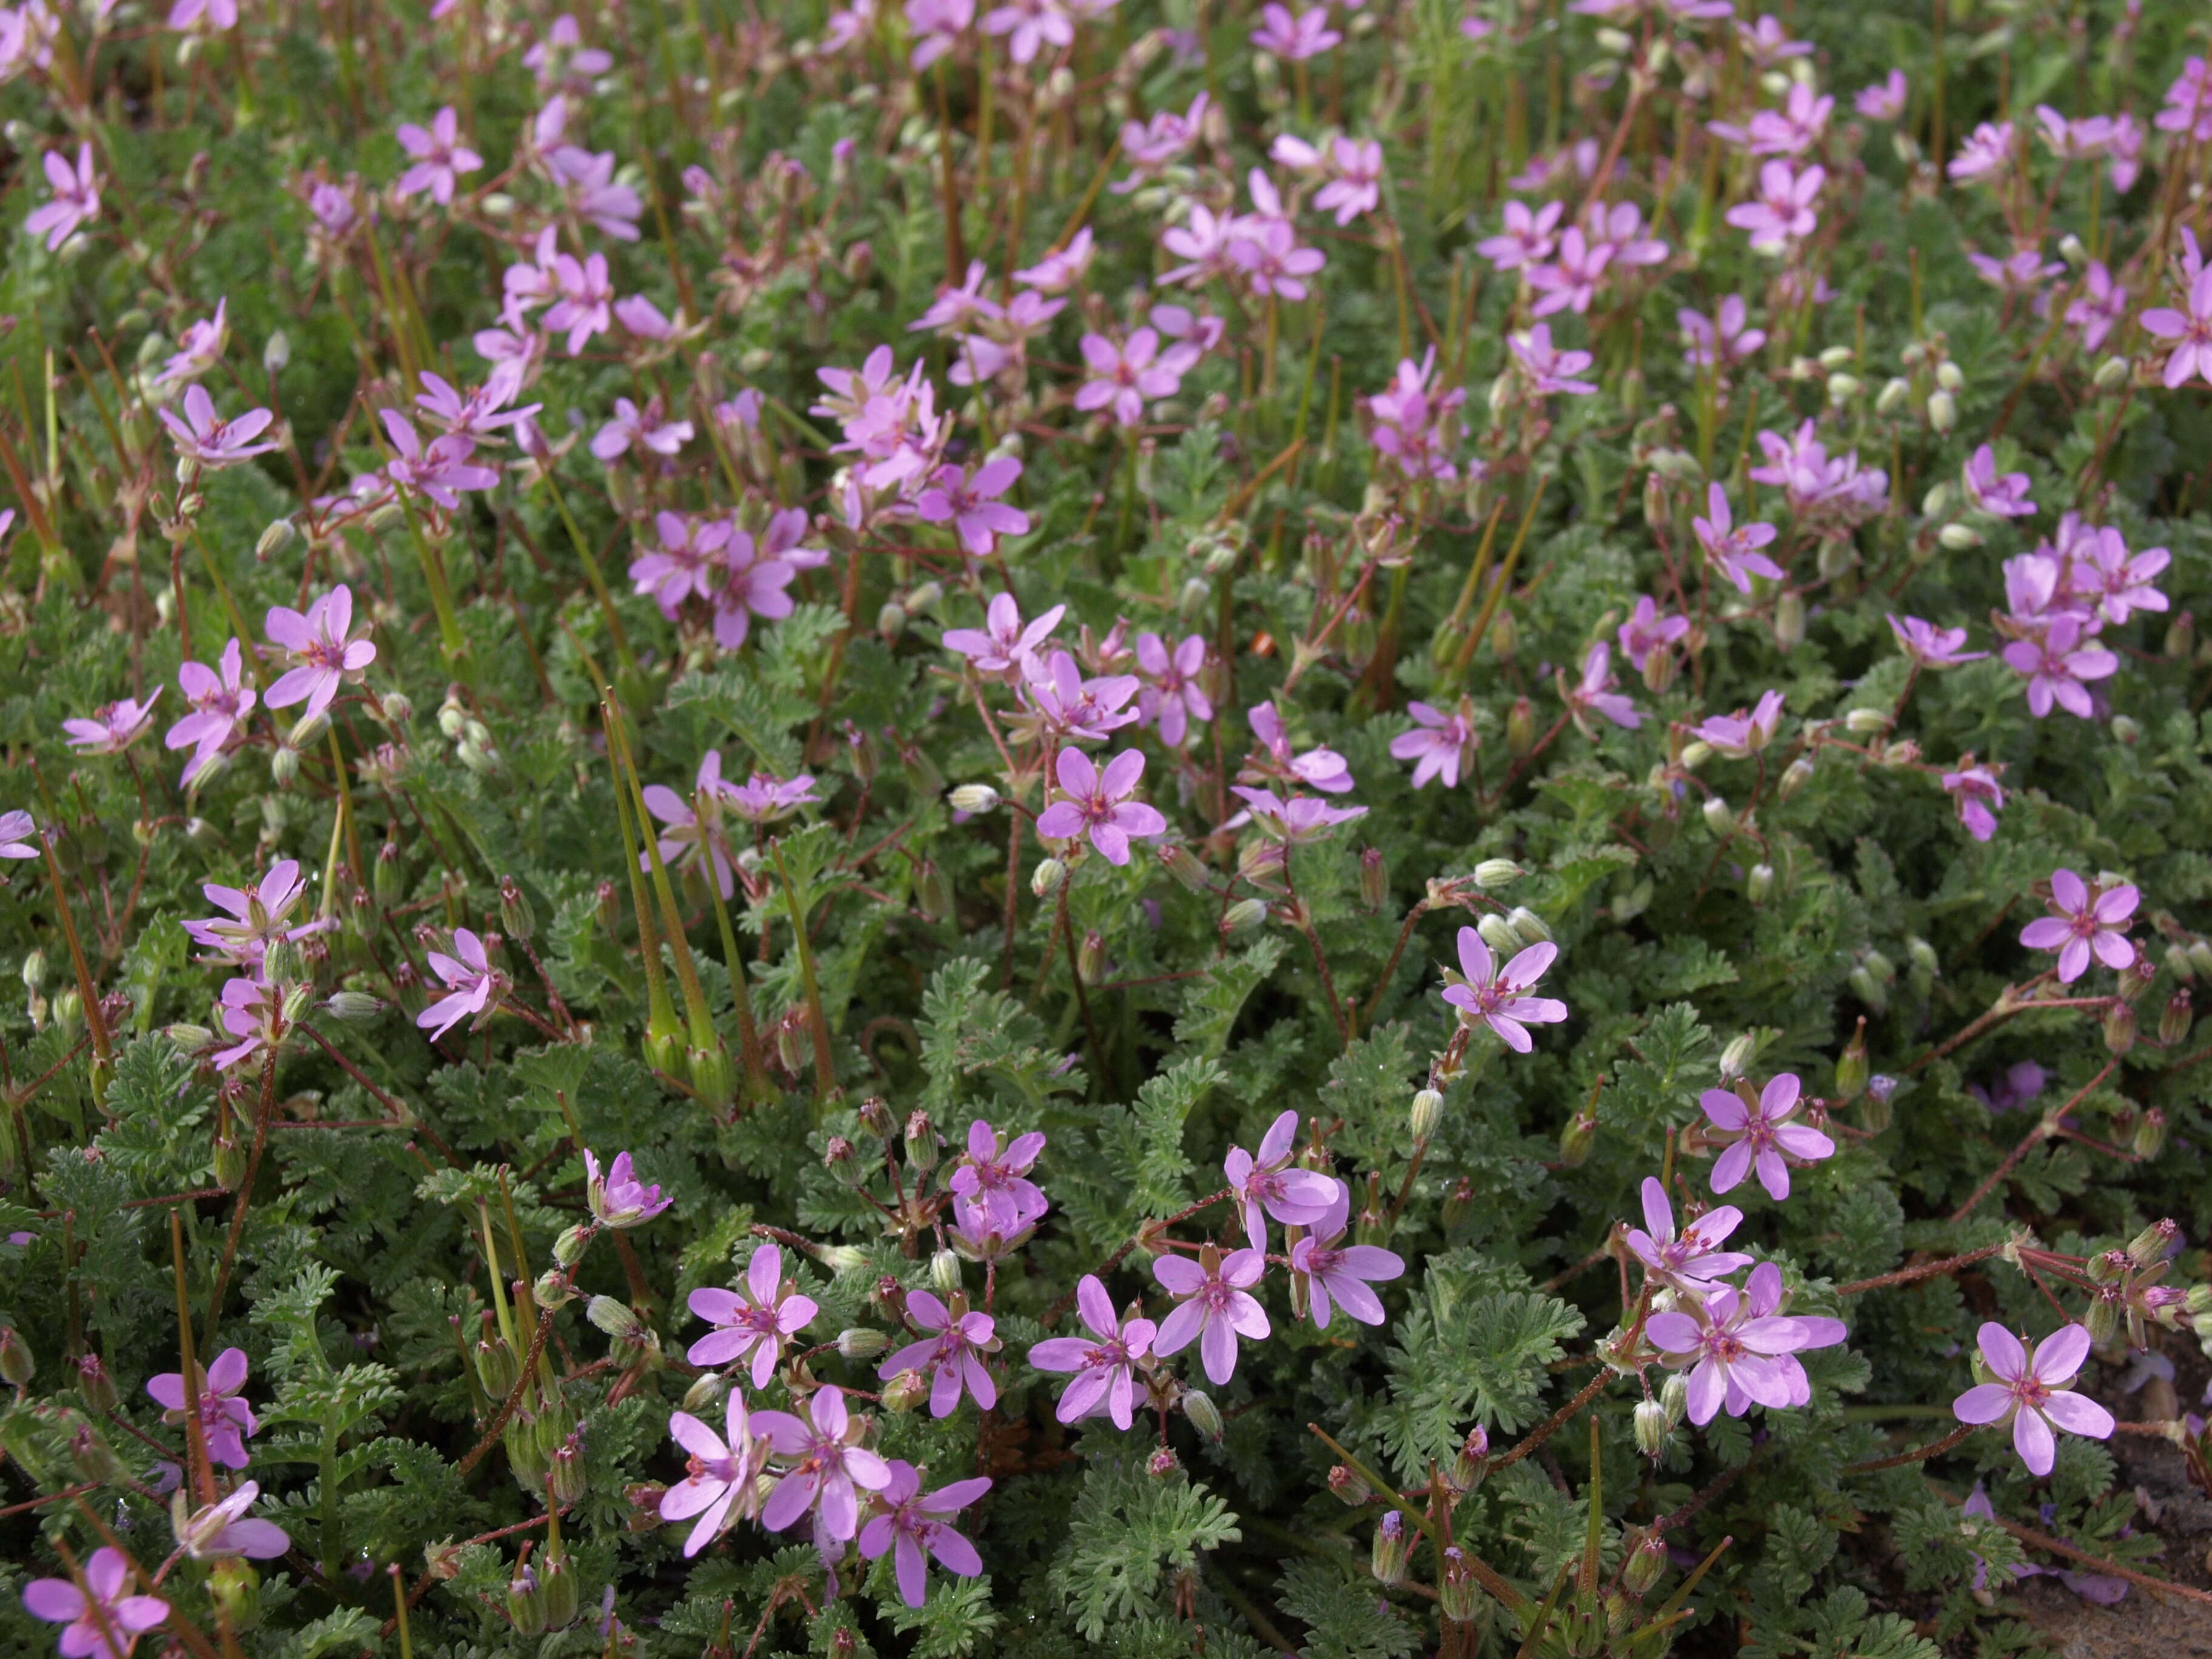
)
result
[(220, 702), (1104, 1363), (750, 581), (2085, 921), (1740, 735), (829, 1470), (228, 1529), (1097, 803), (2031, 1392), (1497, 997), (1692, 1258), (212, 443), (1270, 1181), (1124, 377), (1735, 552), (257, 916), (1214, 1307), (1172, 695), (994, 1183), (226, 1421), (321, 650), (18, 835), (76, 197), (719, 1475), (1760, 1134), (1439, 744), (113, 726), (472, 985), (758, 1320), (909, 1523), (952, 1357), (1975, 791), (616, 1197), (2002, 497), (1549, 368), (1294, 37), (2057, 666), (96, 1622), (2190, 331), (1932, 647), (1783, 211), (972, 506), (1001, 644), (1740, 1351), (439, 157), (1598, 692), (1336, 1274), (1647, 630), (440, 469)]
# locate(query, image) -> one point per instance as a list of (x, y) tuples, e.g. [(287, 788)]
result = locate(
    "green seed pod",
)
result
[(945, 1272), (1646, 1562), (17, 1364), (235, 1587), (1244, 914), (1090, 957), (922, 1144), (2120, 1029)]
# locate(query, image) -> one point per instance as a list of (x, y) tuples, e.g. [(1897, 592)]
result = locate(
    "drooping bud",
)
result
[(1458, 1204), (1387, 1559), (1737, 1054), (1520, 727), (516, 918), (235, 1587), (1205, 1416), (1795, 775), (1652, 1428), (858, 1342), (1180, 862), (1528, 927), (842, 1159), (1718, 819), (1349, 1485), (904, 1392), (1045, 879), (1577, 1139), (1374, 879), (1646, 1562), (1759, 882), (17, 1364), (1675, 1397), (1244, 914), (973, 799), (1492, 873), (1427, 1116), (2175, 1019), (1090, 957)]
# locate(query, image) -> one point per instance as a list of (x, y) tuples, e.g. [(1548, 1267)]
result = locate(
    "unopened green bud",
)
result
[(616, 1318), (17, 1364), (1520, 727), (568, 1248), (1894, 396), (283, 765), (1758, 883), (1646, 1562), (1943, 411), (713, 1077), (1388, 1558), (1789, 620), (1675, 1397), (1957, 538), (35, 969), (1472, 1462), (1349, 1485), (1795, 775), (1530, 928), (2154, 1244), (1458, 1593), (1496, 872), (945, 1272), (891, 620), (1652, 1428), (1737, 1055), (2119, 1027), (556, 1582), (2103, 1317), (1498, 933), (189, 1039), (1852, 1066), (933, 892), (921, 1142), (1632, 902), (353, 1007), (274, 540), (1950, 376), (1374, 879), (516, 918), (2200, 954), (1867, 988), (1182, 865), (525, 1603), (1205, 1416), (235, 1587), (1577, 1139), (904, 1392), (974, 797), (1718, 819), (858, 1342), (1427, 1116), (1244, 914), (1045, 879), (2112, 374), (705, 1392), (1090, 957)]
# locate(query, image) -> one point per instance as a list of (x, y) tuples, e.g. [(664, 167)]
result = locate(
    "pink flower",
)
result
[(472, 985), (2189, 102), (2120, 581), (215, 444), (1271, 1182), (2002, 497), (1105, 1376), (1760, 1134), (1767, 43), (1097, 803), (1783, 212), (1172, 695), (1740, 735), (618, 1197), (2031, 1392), (1597, 692), (114, 728), (2101, 306), (1885, 99), (440, 470), (1735, 552), (972, 505), (439, 158), (1062, 269), (1355, 185), (1295, 39), (1690, 1259), (587, 183), (761, 799), (1646, 631), (1740, 1351), (1317, 769), (996, 1183), (1573, 282), (643, 428), (319, 648), (1721, 339), (258, 915), (951, 1359), (226, 1421), (751, 583), (688, 844), (2085, 921), (1267, 251), (483, 410), (215, 15), (908, 1525), (215, 1531), (2023, 270), (1486, 995), (17, 836), (679, 569), (1932, 647), (1069, 706), (2191, 331), (585, 307), (1299, 819), (758, 1320), (937, 26), (1003, 642), (1978, 796), (75, 199), (199, 350), (1337, 1274), (1438, 745), (827, 1471), (720, 1475), (1527, 239), (1124, 377), (248, 1012), (1548, 369), (95, 1621), (1030, 25), (1833, 494), (1214, 1307), (1416, 426), (2057, 666)]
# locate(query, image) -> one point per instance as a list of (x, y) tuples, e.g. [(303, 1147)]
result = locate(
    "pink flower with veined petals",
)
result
[(1760, 1134), (1172, 695), (214, 443), (953, 1359), (472, 985), (95, 1623), (1735, 552), (1932, 647), (1295, 39), (1313, 768), (1097, 804), (1528, 238), (258, 915), (323, 654), (758, 1320), (1299, 819), (1126, 377), (2190, 331), (76, 197), (114, 728), (1720, 339), (226, 1421), (1104, 1363), (828, 1471), (720, 1476), (2002, 497), (2085, 921), (1885, 99), (17, 836), (1214, 1307), (972, 505), (1439, 744), (2057, 665), (227, 1529), (996, 1183), (1597, 692), (1337, 1274), (1783, 211), (641, 428), (219, 704), (689, 842), (1986, 154), (1975, 791), (2031, 1392), (1549, 369), (440, 469), (1030, 25), (909, 1525), (679, 567), (616, 1197), (1740, 1351), (1739, 736), (1692, 1258), (440, 156), (199, 349), (249, 1011), (585, 307), (1646, 631), (1067, 705), (1000, 645), (1270, 1182), (1496, 997), (750, 582)]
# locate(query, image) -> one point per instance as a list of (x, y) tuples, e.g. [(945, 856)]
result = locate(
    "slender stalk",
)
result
[(825, 1066)]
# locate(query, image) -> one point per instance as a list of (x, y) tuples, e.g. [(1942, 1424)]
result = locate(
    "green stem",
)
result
[(825, 1081)]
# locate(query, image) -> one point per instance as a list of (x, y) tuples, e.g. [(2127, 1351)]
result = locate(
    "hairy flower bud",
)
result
[(904, 1392), (1652, 1428), (1090, 957), (1737, 1055), (1459, 1594), (1244, 914), (617, 1319), (1943, 411), (1646, 1562), (945, 1272), (2119, 1027), (1427, 1116), (1577, 1139), (921, 1142), (2176, 1018), (1718, 819), (1045, 879), (17, 1364), (1675, 1397), (859, 1342), (974, 797), (2154, 1244), (1759, 882), (1520, 727), (1374, 879), (1496, 872), (1498, 933), (842, 1159), (1387, 1559), (1894, 396), (1182, 865), (1472, 1462), (1349, 1485), (1205, 1416), (1852, 1066)]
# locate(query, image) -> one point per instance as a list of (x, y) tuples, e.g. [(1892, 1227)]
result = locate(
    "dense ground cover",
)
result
[(1155, 828)]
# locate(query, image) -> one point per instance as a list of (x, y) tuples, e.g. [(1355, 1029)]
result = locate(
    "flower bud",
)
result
[(1957, 538), (1497, 933), (1496, 872), (1388, 1560), (921, 1142), (1182, 865), (1675, 1397), (1737, 1055), (1349, 1486), (2102, 1316), (1789, 620), (1459, 1594), (1842, 388), (945, 1272), (1851, 1066), (2112, 374), (234, 1586), (705, 1392), (2176, 1018), (1427, 1116), (1374, 879), (904, 1392), (1205, 1416), (1718, 819), (1943, 411), (1045, 879), (1646, 1562), (525, 1604), (2154, 1244), (1162, 1463), (1472, 1462), (1575, 1140), (283, 765), (2119, 1027), (616, 1318), (1867, 988), (1634, 902), (1530, 928), (1244, 914), (1758, 883), (2181, 637), (516, 918), (556, 1582), (1652, 1428), (1090, 957), (17, 1362), (1950, 377), (1520, 727), (842, 1159), (2200, 954), (859, 1342), (1892, 397), (2150, 1134), (1458, 1204), (974, 797)]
